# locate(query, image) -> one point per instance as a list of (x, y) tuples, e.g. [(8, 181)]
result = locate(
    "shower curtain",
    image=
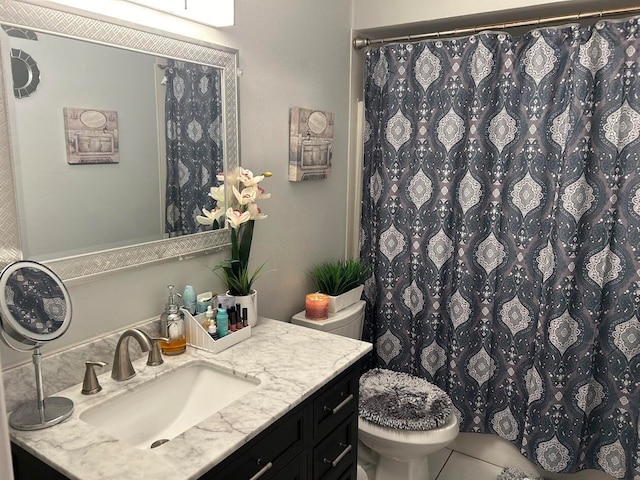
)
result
[(193, 116), (501, 218)]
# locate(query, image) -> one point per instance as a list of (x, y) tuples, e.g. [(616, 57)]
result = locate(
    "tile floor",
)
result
[(449, 465)]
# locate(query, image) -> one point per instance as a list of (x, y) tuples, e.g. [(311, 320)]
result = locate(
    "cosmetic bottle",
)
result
[(172, 327), (231, 313), (189, 299), (213, 333), (222, 322), (211, 323), (245, 317), (209, 318), (237, 317)]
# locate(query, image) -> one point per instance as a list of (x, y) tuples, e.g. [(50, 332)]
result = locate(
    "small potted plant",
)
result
[(342, 280)]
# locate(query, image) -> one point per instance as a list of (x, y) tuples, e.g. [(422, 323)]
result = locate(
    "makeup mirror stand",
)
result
[(35, 308), (42, 412)]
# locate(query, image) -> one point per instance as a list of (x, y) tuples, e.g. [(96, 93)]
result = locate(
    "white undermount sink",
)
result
[(166, 406)]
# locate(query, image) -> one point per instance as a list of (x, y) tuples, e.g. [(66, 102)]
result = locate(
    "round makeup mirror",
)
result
[(35, 308)]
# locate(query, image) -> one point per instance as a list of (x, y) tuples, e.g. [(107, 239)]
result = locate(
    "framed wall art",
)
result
[(310, 144)]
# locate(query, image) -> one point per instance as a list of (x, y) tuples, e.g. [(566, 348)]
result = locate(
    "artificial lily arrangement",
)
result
[(240, 192)]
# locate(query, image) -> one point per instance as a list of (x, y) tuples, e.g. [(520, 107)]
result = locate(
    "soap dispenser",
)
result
[(172, 326)]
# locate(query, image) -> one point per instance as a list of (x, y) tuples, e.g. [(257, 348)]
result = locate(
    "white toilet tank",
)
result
[(347, 322)]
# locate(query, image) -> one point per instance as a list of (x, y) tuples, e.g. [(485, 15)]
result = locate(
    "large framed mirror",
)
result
[(89, 160)]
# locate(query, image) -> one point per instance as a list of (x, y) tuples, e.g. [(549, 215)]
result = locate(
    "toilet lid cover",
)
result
[(399, 400)]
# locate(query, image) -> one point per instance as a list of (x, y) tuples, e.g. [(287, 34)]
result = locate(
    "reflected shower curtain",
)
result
[(501, 217), (193, 115)]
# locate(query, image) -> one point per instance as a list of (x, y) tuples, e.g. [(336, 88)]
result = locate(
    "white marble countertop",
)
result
[(291, 363)]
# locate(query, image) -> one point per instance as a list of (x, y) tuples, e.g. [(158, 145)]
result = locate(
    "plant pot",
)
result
[(250, 302), (345, 300)]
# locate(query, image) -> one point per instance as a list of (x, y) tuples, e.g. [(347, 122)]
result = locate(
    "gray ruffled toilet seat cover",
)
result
[(402, 401)]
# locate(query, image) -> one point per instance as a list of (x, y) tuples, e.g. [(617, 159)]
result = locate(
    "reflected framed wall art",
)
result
[(91, 136)]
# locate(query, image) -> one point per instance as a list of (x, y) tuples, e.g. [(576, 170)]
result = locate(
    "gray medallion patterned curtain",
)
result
[(193, 115), (501, 217)]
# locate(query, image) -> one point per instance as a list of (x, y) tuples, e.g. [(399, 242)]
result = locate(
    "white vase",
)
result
[(345, 300), (250, 302)]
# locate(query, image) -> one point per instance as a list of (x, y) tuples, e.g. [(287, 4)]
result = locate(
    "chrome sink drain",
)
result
[(157, 443)]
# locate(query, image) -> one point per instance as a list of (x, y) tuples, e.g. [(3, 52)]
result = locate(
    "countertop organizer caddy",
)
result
[(198, 337)]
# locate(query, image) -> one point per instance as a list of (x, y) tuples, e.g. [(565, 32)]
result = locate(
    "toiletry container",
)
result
[(172, 327), (210, 318), (222, 322), (189, 299), (171, 300), (203, 301)]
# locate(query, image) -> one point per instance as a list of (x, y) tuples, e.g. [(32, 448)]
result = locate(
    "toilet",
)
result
[(400, 451)]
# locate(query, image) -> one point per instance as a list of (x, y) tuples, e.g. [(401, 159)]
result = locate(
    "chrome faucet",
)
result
[(122, 368)]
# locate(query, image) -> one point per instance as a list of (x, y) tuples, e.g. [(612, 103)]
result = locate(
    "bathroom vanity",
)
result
[(298, 422)]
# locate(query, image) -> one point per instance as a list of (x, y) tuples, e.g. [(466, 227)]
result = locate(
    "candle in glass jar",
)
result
[(317, 306)]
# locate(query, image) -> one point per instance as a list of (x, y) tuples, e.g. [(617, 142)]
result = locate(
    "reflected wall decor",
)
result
[(91, 136), (310, 144)]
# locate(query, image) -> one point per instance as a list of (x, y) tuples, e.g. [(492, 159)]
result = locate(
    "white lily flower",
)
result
[(255, 212), (235, 218), (247, 196), (217, 193), (246, 177), (209, 216), (262, 193)]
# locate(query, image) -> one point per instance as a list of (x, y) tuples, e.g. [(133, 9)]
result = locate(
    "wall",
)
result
[(381, 13), (121, 201), (403, 15), (291, 54)]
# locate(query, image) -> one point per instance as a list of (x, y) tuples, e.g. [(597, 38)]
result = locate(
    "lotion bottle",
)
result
[(189, 299), (222, 322)]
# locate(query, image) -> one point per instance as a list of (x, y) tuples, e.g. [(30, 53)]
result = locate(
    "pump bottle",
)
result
[(172, 326)]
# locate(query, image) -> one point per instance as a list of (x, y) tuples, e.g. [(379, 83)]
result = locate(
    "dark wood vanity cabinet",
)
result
[(317, 440)]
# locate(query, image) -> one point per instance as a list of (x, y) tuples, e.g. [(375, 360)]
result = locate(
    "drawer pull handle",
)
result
[(340, 406), (339, 457), (262, 471)]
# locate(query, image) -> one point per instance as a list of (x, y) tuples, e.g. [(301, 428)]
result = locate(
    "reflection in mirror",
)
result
[(163, 147), (35, 308), (93, 198), (194, 144)]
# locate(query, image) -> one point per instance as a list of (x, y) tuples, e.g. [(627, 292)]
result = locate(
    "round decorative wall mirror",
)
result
[(35, 308), (25, 72)]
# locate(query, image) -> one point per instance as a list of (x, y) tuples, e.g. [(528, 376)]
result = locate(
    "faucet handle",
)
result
[(90, 385), (155, 355)]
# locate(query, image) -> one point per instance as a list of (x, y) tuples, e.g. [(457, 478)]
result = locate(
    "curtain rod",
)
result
[(359, 43)]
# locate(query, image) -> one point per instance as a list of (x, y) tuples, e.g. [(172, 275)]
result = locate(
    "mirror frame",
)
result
[(107, 31)]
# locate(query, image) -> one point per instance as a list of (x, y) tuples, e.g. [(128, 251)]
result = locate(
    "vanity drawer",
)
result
[(335, 404), (336, 453), (268, 454), (296, 469)]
